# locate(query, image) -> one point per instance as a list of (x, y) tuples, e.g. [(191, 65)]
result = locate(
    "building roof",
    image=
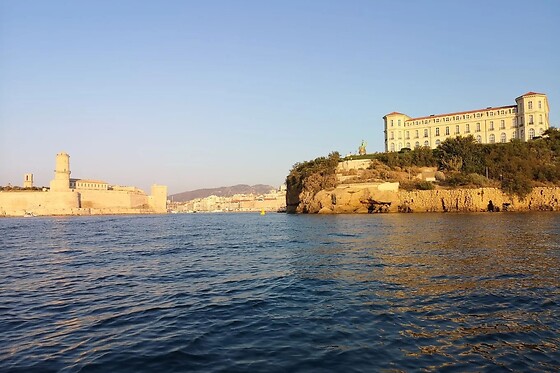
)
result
[(463, 112), (90, 181), (394, 113), (530, 94)]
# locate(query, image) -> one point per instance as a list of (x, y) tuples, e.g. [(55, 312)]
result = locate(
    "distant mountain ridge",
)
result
[(222, 192)]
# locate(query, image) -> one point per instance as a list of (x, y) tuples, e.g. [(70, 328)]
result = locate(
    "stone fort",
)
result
[(68, 196)]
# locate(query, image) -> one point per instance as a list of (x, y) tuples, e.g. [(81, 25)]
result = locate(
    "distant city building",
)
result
[(525, 120)]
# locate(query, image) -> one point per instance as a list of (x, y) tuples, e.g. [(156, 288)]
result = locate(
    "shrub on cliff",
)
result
[(313, 175), (460, 154)]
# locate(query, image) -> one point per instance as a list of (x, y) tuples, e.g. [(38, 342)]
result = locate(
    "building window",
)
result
[(530, 105), (540, 118), (456, 130), (399, 122), (447, 131), (503, 137), (530, 119), (467, 128), (438, 142), (513, 135), (426, 143), (492, 139), (478, 127), (392, 135), (531, 133), (391, 123), (502, 124), (479, 139), (417, 134), (416, 145), (407, 145), (426, 133), (541, 131), (392, 147), (540, 106), (400, 145), (407, 135), (513, 123), (437, 131), (491, 125)]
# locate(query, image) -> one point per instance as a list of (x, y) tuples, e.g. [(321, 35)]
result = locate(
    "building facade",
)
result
[(525, 120)]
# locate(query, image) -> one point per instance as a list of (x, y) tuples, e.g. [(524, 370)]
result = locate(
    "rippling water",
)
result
[(251, 293)]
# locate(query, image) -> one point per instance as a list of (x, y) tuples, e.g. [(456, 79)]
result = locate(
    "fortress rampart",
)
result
[(61, 199)]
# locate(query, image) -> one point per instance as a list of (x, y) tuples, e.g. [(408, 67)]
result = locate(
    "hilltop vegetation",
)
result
[(515, 167)]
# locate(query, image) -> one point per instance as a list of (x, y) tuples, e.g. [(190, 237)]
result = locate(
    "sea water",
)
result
[(281, 293)]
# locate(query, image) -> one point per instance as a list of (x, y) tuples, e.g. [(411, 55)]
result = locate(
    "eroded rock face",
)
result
[(364, 198)]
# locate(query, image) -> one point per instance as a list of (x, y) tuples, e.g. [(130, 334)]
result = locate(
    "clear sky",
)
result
[(195, 94)]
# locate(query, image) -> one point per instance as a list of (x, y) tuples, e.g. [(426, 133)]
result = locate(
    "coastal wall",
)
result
[(40, 203), (385, 197), (84, 202), (100, 199)]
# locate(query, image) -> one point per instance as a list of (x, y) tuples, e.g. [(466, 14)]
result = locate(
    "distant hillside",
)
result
[(222, 192)]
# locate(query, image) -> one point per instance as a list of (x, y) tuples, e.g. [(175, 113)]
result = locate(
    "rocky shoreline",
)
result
[(383, 198)]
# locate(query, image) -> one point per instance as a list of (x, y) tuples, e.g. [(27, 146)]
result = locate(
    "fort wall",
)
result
[(103, 199), (39, 203)]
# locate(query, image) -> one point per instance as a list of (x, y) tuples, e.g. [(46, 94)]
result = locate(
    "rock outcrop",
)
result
[(386, 197)]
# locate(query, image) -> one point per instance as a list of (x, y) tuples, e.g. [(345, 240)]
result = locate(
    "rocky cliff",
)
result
[(386, 197)]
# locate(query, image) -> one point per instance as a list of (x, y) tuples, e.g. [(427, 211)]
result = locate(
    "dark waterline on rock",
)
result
[(281, 293)]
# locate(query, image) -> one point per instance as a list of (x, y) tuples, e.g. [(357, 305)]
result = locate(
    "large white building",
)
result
[(525, 120)]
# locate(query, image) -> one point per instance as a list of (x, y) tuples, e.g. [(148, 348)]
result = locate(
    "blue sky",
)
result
[(196, 94)]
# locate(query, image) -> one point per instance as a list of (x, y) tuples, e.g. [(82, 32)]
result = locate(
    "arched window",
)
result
[(531, 133), (400, 145), (503, 137), (479, 139), (438, 143), (426, 143), (408, 145), (416, 145), (492, 139), (541, 131), (392, 147)]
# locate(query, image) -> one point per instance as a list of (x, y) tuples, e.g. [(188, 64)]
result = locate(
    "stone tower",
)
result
[(28, 181), (158, 198), (61, 181)]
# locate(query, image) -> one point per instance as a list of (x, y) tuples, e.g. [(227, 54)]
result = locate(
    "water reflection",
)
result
[(474, 285)]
